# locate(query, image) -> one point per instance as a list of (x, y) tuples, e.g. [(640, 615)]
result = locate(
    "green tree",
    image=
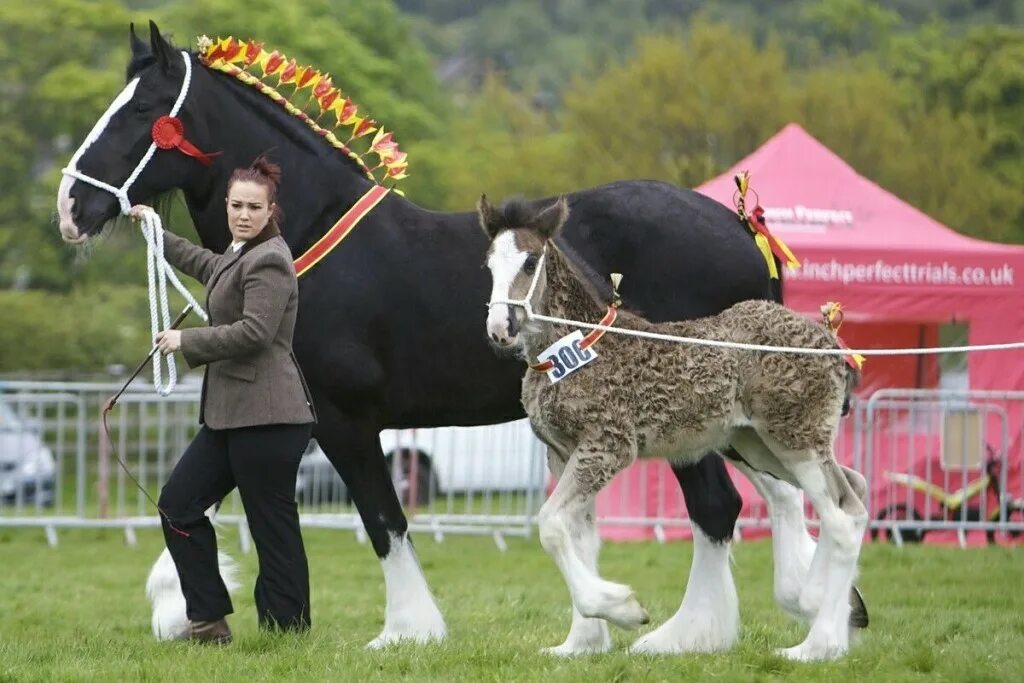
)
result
[(365, 44), (931, 157), (57, 73), (681, 110), (502, 145), (978, 77)]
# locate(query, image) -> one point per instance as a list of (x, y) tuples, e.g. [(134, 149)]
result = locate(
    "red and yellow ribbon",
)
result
[(241, 59), (340, 230), (768, 243), (832, 312)]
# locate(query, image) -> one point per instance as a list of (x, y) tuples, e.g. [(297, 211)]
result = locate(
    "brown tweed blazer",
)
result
[(252, 377)]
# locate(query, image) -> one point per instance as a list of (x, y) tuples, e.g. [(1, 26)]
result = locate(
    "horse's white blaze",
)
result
[(410, 613), (505, 262), (708, 620), (68, 229)]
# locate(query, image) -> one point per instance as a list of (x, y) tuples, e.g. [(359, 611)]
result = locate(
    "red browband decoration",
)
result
[(607, 321), (169, 132)]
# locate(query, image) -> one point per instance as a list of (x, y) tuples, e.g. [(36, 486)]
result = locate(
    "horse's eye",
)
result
[(530, 265), (142, 106)]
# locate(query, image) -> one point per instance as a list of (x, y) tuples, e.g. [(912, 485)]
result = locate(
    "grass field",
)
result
[(78, 613)]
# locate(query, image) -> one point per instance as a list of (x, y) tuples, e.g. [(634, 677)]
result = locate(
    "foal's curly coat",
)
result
[(651, 399)]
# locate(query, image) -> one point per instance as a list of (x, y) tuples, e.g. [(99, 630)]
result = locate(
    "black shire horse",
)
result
[(390, 323)]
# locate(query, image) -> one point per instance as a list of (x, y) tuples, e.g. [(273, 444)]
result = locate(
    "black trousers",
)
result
[(262, 462)]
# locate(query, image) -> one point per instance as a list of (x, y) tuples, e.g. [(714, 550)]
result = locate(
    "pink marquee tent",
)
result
[(892, 267), (898, 273)]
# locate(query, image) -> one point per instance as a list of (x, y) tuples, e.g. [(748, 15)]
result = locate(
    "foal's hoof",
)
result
[(628, 614), (858, 610)]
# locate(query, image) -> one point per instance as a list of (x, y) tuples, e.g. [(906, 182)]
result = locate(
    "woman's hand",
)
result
[(137, 211), (168, 341)]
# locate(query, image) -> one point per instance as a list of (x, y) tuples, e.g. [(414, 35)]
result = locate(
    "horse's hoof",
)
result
[(568, 649), (695, 632), (418, 636), (858, 610), (812, 652)]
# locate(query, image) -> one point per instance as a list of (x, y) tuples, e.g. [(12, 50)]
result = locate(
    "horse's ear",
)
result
[(162, 50), (139, 48), (490, 220), (551, 219)]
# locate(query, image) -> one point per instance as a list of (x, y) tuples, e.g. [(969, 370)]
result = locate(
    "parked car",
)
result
[(503, 457), (27, 468)]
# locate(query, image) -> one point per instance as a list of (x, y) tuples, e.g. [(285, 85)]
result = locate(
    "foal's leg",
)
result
[(586, 636), (561, 517), (799, 567), (843, 521), (792, 546), (353, 446), (708, 620)]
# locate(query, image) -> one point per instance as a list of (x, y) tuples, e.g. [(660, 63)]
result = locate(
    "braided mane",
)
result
[(239, 59)]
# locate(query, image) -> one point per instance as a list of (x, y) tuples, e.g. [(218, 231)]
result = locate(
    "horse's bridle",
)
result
[(167, 132)]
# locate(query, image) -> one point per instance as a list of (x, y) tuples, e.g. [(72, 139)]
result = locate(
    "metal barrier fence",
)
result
[(944, 460), (935, 461), (58, 469)]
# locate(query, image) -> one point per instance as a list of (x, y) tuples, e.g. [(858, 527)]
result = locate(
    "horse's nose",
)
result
[(499, 333)]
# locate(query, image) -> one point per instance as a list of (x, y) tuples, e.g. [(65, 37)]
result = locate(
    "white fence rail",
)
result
[(936, 461), (59, 470)]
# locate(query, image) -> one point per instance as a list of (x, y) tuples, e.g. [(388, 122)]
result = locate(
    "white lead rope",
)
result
[(527, 306), (924, 351), (158, 272)]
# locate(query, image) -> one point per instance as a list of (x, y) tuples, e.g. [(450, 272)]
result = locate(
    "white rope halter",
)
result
[(122, 192), (158, 271)]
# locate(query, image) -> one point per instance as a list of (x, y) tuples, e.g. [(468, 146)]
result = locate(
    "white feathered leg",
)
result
[(708, 620), (163, 588)]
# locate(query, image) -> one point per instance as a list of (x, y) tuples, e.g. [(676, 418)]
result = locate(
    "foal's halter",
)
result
[(526, 303)]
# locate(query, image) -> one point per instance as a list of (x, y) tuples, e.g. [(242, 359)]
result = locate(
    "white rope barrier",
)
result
[(923, 351), (527, 306)]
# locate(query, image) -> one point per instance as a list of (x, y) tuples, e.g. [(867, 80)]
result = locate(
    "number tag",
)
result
[(566, 356)]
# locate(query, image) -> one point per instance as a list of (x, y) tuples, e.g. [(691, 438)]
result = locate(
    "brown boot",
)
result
[(213, 632)]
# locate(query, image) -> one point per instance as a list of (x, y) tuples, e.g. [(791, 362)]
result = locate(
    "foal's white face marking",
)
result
[(505, 263), (65, 203)]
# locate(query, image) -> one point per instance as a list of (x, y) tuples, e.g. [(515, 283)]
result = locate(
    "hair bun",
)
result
[(268, 168)]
